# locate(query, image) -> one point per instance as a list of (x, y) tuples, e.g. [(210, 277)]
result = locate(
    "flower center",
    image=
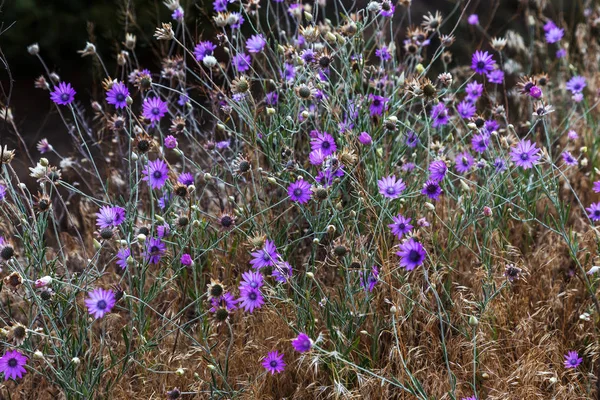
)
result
[(414, 256), (273, 364), (252, 296), (524, 156), (376, 102), (12, 362), (154, 249), (401, 226), (480, 65), (64, 97), (431, 188), (155, 111), (101, 304), (266, 256), (325, 145), (120, 97), (157, 174), (390, 190), (297, 192)]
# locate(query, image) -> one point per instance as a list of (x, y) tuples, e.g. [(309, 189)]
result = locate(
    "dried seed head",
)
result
[(7, 252), (130, 40), (6, 156), (107, 233), (165, 33), (18, 334), (13, 281)]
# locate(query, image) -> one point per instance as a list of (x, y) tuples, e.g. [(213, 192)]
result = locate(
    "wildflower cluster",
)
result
[(335, 197)]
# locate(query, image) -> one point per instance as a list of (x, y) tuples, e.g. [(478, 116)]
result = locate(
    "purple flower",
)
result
[(499, 165), (365, 138), (163, 230), (170, 142), (204, 49), (122, 256), (255, 43), (474, 91), (325, 142), (466, 109), (156, 173), (412, 140), (289, 72), (316, 157), (560, 53), (273, 362), (577, 97), (596, 187), (250, 299), (300, 191), (100, 302), (378, 104), (12, 364), (44, 146), (473, 19), (109, 217), (327, 176), (271, 98), (186, 179), (535, 92), (186, 260), (469, 398), (572, 359), (387, 8), (438, 170), (154, 250), (164, 200), (63, 94), (482, 62), (554, 35), (412, 254), (568, 158), (308, 56), (594, 211), (226, 300), (282, 271), (480, 142), (439, 114), (302, 343), (464, 161), (178, 14), (401, 226), (576, 84), (525, 154), (252, 280), (220, 5), (432, 189), (154, 109), (265, 257), (390, 187), (383, 53), (549, 25), (496, 76), (408, 167), (241, 62), (369, 282), (2, 192), (117, 95), (491, 125)]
